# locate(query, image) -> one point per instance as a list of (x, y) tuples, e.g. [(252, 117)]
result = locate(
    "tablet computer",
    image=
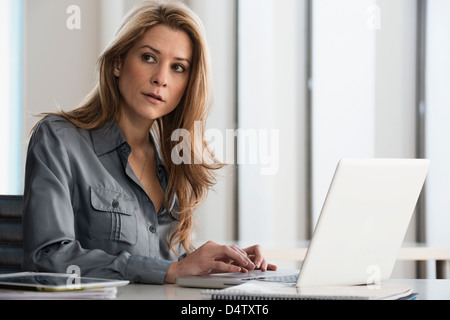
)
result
[(38, 281)]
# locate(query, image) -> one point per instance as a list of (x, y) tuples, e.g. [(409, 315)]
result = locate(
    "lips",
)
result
[(153, 97)]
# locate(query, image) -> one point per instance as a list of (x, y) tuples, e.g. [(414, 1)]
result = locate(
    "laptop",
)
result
[(361, 228)]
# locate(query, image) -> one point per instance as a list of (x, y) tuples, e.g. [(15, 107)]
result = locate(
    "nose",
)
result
[(159, 77)]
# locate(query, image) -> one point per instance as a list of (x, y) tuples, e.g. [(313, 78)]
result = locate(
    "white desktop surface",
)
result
[(429, 289)]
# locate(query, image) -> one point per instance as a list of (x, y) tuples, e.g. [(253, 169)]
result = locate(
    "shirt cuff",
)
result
[(147, 270)]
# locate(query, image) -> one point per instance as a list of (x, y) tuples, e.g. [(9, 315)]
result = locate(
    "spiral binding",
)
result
[(241, 296)]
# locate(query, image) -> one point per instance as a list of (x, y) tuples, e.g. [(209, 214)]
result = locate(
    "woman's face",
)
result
[(153, 76)]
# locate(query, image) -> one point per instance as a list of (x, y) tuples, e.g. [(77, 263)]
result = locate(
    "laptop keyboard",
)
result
[(291, 278)]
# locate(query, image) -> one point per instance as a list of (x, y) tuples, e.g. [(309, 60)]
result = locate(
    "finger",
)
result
[(237, 248), (225, 260), (263, 265), (229, 261), (272, 267), (250, 265), (255, 251), (222, 267), (236, 256)]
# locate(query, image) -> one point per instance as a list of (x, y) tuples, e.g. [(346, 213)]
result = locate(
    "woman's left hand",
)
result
[(255, 254)]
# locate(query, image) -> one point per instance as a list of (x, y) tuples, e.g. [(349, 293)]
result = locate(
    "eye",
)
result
[(179, 68), (148, 58)]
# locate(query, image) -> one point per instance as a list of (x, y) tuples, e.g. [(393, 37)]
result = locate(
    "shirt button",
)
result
[(126, 148), (115, 204), (152, 229)]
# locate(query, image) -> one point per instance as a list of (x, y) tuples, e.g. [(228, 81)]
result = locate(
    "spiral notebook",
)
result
[(259, 290)]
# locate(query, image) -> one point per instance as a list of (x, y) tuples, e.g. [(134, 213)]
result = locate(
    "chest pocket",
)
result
[(114, 218)]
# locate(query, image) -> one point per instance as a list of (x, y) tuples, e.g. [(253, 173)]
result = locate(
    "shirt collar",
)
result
[(107, 138), (173, 206), (159, 161)]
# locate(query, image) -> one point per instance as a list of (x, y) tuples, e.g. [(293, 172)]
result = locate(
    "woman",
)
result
[(101, 190)]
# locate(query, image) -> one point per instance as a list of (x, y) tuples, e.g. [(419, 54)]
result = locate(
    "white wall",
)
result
[(60, 67), (437, 108), (216, 218), (364, 88), (272, 95), (343, 84), (60, 62), (111, 14), (363, 84), (395, 91)]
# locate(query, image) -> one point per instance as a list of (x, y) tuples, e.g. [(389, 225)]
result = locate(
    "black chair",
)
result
[(11, 234)]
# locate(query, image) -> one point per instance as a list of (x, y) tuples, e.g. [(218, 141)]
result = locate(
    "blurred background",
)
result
[(334, 78)]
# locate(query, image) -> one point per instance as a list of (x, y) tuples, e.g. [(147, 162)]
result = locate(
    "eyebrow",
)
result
[(159, 53)]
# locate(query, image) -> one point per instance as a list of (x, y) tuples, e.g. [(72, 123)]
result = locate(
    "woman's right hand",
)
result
[(210, 258)]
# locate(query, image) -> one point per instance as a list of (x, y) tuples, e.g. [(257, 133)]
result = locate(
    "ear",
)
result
[(117, 66)]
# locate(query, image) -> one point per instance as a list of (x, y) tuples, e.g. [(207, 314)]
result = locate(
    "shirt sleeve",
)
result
[(50, 243)]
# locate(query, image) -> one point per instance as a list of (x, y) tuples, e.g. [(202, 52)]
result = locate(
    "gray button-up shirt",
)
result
[(84, 206)]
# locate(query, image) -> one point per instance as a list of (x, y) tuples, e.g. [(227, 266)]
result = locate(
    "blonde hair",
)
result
[(190, 183)]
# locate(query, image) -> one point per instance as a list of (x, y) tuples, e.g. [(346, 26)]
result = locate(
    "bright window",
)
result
[(11, 96)]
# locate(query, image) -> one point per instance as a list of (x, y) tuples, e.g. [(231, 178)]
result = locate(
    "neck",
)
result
[(135, 133)]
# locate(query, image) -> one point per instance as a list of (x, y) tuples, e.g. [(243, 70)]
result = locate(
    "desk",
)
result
[(430, 289)]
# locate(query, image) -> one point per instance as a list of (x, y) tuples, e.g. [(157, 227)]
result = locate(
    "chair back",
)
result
[(11, 234)]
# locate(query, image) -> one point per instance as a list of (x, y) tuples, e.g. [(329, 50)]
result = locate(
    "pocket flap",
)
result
[(112, 201)]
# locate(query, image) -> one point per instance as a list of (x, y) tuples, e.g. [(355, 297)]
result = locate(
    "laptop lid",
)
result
[(363, 221)]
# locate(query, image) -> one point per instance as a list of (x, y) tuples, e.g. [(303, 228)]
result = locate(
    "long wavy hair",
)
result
[(190, 183)]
